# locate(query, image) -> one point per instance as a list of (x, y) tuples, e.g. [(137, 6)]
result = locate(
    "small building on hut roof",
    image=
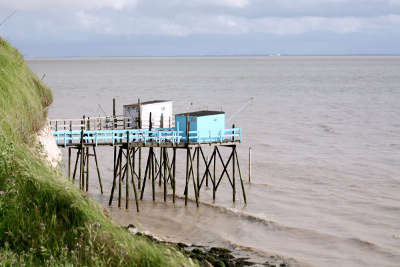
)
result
[(209, 125), (161, 114)]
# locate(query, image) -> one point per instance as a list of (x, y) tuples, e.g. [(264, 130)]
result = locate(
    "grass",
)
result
[(44, 219)]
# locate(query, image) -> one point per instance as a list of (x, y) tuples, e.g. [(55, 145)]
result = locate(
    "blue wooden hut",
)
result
[(205, 125)]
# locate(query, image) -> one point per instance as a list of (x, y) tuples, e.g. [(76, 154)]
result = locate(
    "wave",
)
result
[(311, 235)]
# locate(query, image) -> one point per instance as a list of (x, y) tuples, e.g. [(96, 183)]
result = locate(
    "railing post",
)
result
[(139, 114), (187, 129), (83, 122)]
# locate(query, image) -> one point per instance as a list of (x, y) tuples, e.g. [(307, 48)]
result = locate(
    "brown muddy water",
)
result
[(325, 134)]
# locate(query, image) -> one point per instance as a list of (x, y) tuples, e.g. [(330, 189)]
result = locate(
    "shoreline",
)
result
[(210, 255)]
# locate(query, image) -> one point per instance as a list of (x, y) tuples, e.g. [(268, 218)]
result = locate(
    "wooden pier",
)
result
[(86, 134)]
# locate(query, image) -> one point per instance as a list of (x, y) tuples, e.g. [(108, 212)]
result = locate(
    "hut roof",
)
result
[(201, 113), (147, 103)]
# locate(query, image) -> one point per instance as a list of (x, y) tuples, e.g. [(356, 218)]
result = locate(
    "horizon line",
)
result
[(237, 55)]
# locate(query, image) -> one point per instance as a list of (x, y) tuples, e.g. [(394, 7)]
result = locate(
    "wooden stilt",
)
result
[(160, 167), (69, 163), (152, 156), (98, 170), (133, 180), (120, 178), (233, 174), (198, 170), (173, 180), (165, 173), (78, 153), (140, 167), (133, 165), (214, 177), (140, 149), (187, 176), (114, 177), (128, 163), (170, 173), (153, 187), (241, 180), (146, 173), (196, 192), (206, 172), (81, 162), (87, 169)]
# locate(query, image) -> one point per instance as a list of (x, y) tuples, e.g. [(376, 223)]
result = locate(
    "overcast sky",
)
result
[(48, 28)]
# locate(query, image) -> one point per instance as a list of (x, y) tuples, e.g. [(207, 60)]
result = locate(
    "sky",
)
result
[(65, 28)]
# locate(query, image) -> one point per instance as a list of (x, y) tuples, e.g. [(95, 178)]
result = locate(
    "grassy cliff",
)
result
[(44, 219)]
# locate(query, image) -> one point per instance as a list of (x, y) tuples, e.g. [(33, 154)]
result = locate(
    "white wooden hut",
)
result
[(161, 113)]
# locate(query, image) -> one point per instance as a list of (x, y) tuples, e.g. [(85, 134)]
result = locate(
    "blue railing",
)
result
[(160, 136)]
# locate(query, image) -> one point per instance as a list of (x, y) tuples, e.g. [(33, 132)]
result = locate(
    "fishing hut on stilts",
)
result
[(151, 127)]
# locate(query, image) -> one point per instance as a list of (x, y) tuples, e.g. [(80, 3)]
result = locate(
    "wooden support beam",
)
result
[(140, 167), (225, 170), (173, 179), (153, 187), (207, 169), (133, 181), (98, 170), (214, 181), (165, 172), (160, 167), (87, 169), (198, 170), (133, 164), (120, 179), (207, 163), (81, 162), (233, 174), (114, 177), (69, 163), (187, 176), (146, 173), (78, 153), (241, 180), (196, 192), (152, 156), (171, 174), (128, 163)]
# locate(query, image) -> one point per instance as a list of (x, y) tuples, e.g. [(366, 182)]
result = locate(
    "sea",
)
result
[(324, 133)]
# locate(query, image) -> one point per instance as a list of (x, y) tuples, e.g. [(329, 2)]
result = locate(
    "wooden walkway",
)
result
[(102, 131)]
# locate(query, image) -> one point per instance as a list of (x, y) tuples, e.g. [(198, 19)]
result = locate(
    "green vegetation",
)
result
[(44, 219)]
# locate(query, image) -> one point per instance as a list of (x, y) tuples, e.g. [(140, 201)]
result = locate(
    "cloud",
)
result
[(232, 3), (96, 21), (29, 5), (185, 25)]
